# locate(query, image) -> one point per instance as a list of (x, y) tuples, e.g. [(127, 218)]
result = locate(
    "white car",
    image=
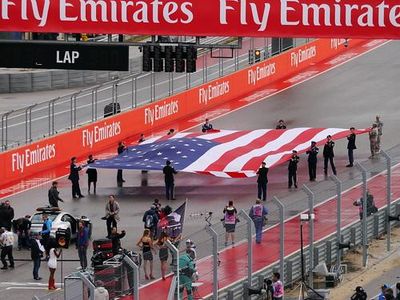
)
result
[(61, 221)]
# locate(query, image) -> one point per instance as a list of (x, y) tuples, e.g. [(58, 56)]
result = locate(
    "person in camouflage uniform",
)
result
[(379, 126), (373, 139)]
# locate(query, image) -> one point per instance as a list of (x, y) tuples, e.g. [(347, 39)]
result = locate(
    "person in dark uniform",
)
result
[(53, 195), (312, 160), (141, 139), (171, 131), (206, 126), (169, 172), (121, 148), (281, 125), (262, 181), (74, 177), (92, 174), (329, 155), (37, 251), (294, 160), (351, 146)]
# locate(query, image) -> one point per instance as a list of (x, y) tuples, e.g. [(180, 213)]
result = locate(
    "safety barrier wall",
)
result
[(44, 155), (325, 251)]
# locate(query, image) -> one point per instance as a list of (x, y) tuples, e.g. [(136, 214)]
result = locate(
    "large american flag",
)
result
[(223, 153)]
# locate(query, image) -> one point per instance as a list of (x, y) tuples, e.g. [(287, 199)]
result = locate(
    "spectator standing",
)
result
[(373, 140), (169, 180), (329, 155), (22, 227), (292, 168), (379, 126), (37, 251), (6, 215), (116, 240), (351, 146), (112, 214), (82, 243), (74, 177), (277, 286), (45, 233), (230, 219), (258, 213), (52, 264), (312, 161), (92, 174), (207, 126), (163, 253), (54, 195), (121, 148), (281, 125), (6, 242), (150, 220), (383, 290), (262, 181), (145, 243)]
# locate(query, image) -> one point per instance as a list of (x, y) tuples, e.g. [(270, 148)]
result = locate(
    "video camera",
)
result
[(264, 290)]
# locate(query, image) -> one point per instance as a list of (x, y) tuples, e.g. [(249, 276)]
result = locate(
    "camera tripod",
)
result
[(303, 286)]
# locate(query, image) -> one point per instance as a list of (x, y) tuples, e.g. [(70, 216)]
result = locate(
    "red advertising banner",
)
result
[(25, 161), (263, 18)]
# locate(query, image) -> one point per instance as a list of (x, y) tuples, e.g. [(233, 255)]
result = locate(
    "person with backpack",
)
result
[(230, 219), (150, 220), (258, 212)]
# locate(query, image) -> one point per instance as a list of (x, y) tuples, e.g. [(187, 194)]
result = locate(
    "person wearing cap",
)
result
[(262, 181), (258, 213), (312, 160), (150, 220), (74, 177), (169, 172), (329, 155), (281, 125), (53, 195), (292, 168), (207, 126), (359, 294), (351, 146), (37, 251)]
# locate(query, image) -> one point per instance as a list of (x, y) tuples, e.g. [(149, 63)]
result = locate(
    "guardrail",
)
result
[(48, 118)]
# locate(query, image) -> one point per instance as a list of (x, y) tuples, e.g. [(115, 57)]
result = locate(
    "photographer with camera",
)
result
[(267, 290), (186, 271)]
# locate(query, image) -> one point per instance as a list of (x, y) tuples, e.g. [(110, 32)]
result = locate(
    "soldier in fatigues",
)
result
[(312, 160), (294, 160), (373, 139), (379, 126)]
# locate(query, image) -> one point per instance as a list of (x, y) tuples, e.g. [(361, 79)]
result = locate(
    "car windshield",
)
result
[(37, 218)]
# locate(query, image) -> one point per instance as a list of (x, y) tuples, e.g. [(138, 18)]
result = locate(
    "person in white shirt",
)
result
[(6, 242), (52, 264)]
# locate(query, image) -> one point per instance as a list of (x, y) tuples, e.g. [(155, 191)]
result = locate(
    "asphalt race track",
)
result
[(350, 95)]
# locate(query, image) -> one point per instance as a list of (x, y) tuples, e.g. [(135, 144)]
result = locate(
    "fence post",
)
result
[(175, 254), (364, 219), (249, 222), (311, 198), (281, 208), (214, 236), (4, 129), (135, 269), (339, 220), (388, 196), (87, 283)]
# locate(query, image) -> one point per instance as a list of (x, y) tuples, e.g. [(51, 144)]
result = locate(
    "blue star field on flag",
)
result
[(180, 152)]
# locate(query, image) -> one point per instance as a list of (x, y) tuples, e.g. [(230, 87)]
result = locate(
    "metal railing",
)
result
[(40, 120)]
